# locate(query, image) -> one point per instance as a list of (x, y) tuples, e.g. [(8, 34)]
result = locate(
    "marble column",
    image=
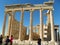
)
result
[(9, 24), (31, 25), (12, 17), (4, 24), (41, 24), (48, 19), (52, 26), (21, 24)]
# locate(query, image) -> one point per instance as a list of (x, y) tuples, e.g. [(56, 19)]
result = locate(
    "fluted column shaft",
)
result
[(4, 25), (52, 26), (41, 24), (21, 24), (9, 24), (31, 24), (48, 19), (12, 16)]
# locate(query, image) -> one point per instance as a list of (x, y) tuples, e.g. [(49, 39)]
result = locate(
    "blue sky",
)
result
[(36, 13)]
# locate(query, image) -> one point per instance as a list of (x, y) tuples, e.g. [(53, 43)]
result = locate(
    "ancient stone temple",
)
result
[(18, 30)]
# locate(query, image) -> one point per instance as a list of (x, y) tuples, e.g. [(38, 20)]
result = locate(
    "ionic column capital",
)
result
[(31, 10), (41, 9), (51, 9), (22, 10)]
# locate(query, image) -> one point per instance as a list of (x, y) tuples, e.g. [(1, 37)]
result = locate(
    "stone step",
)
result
[(17, 42)]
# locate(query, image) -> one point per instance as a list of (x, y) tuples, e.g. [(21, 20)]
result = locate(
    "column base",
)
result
[(19, 39), (30, 39), (52, 42)]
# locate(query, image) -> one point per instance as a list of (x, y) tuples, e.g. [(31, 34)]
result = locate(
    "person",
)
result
[(1, 38), (7, 40), (39, 41), (11, 39)]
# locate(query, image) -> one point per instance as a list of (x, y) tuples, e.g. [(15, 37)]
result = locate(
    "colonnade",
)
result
[(31, 23)]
